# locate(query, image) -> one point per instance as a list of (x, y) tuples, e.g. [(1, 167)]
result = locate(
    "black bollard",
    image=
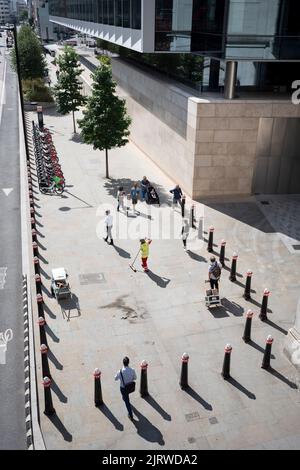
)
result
[(144, 380), (247, 292), (35, 249), (40, 304), (264, 306), (38, 284), (43, 336), (33, 235), (222, 253), (192, 216), (97, 387), (45, 363), (247, 331), (183, 205), (184, 371), (267, 353), (36, 265), (32, 220), (226, 362), (49, 410), (232, 276), (210, 239)]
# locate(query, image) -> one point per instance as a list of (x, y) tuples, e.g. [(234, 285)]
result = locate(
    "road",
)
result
[(12, 414)]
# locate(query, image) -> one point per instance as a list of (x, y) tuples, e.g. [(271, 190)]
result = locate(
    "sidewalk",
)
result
[(160, 316)]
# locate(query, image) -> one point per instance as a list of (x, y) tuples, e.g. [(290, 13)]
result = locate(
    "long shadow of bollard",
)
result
[(193, 394), (58, 392), (61, 428), (51, 334), (146, 429), (48, 311), (240, 387), (111, 417), (259, 348), (277, 327), (152, 402), (54, 360), (281, 377)]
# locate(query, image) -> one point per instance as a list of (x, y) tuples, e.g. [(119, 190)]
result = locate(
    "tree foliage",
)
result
[(68, 90), (105, 122), (32, 61)]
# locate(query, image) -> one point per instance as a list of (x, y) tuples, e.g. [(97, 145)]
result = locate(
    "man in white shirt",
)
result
[(214, 273), (108, 223), (126, 375)]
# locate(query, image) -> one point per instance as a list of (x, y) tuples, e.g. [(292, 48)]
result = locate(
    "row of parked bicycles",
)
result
[(50, 176)]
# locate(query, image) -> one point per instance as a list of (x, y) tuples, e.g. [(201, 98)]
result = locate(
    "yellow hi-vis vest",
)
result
[(145, 250)]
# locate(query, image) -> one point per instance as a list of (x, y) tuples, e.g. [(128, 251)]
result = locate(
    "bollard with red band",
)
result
[(264, 305), (247, 330), (247, 292), (210, 239), (33, 234), (184, 371), (226, 362), (183, 205), (43, 337), (97, 388), (232, 276), (32, 221), (222, 253), (45, 364), (144, 380), (267, 354), (49, 410), (38, 283), (39, 299)]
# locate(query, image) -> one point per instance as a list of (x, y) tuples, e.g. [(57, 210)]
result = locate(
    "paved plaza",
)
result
[(160, 315)]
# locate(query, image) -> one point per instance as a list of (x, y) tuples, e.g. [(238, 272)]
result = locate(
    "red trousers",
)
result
[(144, 263)]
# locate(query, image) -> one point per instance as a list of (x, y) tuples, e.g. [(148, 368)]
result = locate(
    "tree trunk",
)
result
[(74, 122), (106, 163)]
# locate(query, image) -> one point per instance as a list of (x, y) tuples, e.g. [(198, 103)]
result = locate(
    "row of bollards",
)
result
[(44, 348)]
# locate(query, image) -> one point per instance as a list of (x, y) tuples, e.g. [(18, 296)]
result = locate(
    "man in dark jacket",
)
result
[(177, 194)]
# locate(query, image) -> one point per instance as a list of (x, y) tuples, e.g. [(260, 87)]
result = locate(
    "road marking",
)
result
[(2, 99), (4, 339), (2, 277), (7, 191)]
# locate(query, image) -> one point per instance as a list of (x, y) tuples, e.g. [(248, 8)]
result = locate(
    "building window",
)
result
[(118, 13), (136, 14)]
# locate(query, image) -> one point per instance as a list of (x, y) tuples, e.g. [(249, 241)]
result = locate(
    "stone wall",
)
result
[(207, 145)]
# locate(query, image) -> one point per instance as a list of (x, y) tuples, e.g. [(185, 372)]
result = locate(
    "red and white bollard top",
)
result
[(46, 382), (42, 322), (37, 278), (34, 245), (144, 365), (266, 292), (31, 210), (249, 273), (223, 242), (43, 349), (185, 357), (228, 348), (97, 373), (211, 229), (36, 260), (33, 232), (235, 255), (269, 339), (250, 313), (39, 298), (32, 220)]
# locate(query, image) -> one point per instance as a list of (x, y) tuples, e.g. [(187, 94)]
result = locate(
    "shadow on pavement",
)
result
[(46, 291), (61, 428), (193, 394), (259, 348), (232, 307), (121, 252), (51, 334), (242, 389), (196, 257), (112, 186), (238, 283), (69, 305), (281, 377), (254, 302), (218, 312), (58, 392), (48, 311), (160, 281), (54, 360), (152, 402), (79, 199), (111, 417), (146, 429), (277, 327)]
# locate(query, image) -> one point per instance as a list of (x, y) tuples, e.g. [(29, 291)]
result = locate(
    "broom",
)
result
[(131, 265)]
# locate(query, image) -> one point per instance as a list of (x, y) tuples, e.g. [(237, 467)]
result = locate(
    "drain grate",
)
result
[(191, 440), (192, 416), (94, 278), (296, 247), (213, 420), (265, 203)]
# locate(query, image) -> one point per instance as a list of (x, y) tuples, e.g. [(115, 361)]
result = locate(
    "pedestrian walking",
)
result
[(144, 188), (144, 248), (177, 194), (127, 377), (214, 273), (185, 232), (120, 198), (108, 223), (134, 194)]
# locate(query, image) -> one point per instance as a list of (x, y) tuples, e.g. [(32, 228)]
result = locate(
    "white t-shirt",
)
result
[(128, 374), (108, 220), (211, 269)]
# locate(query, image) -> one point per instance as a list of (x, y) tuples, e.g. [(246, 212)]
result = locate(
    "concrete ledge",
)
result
[(292, 347)]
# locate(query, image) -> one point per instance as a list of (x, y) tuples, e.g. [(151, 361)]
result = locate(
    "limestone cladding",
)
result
[(208, 146)]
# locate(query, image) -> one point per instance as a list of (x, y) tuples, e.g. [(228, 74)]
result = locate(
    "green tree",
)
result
[(68, 90), (32, 61), (23, 15), (105, 121)]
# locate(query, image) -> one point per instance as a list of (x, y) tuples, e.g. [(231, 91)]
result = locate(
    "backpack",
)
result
[(216, 271)]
